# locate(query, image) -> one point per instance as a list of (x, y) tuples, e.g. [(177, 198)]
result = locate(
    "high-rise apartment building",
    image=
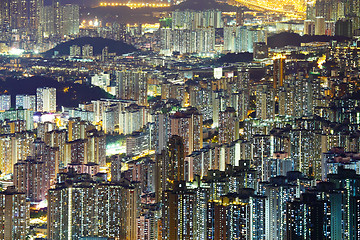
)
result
[(101, 80), (308, 217), (196, 19), (242, 94), (330, 10), (345, 223), (174, 165), (47, 21), (178, 213), (133, 118), (188, 125), (69, 20), (23, 15), (278, 192), (26, 102), (279, 72), (14, 147), (228, 126), (352, 12), (75, 51), (87, 50), (32, 178), (320, 26), (84, 208), (137, 143), (278, 165), (237, 216), (14, 214), (261, 50), (265, 102), (56, 139), (191, 32), (4, 14), (105, 54), (46, 99), (96, 147), (5, 102), (242, 38), (201, 40), (309, 27), (132, 85), (59, 20)]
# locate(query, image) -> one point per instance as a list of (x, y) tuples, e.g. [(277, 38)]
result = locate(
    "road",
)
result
[(254, 5)]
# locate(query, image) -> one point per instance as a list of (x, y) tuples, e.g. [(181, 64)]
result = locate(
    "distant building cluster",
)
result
[(197, 31), (43, 101), (30, 24), (58, 20), (176, 142), (340, 18), (85, 51)]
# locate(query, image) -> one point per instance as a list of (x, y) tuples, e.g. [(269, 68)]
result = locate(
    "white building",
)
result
[(75, 50), (5, 102), (46, 99), (26, 102), (191, 32), (87, 50), (101, 80), (242, 38)]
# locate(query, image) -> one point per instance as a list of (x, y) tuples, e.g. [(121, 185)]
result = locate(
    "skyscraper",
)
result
[(69, 20), (178, 213), (59, 20), (32, 178), (21, 15), (132, 85), (228, 126), (5, 102), (46, 99), (279, 72), (14, 214), (307, 218), (278, 192), (175, 161), (26, 102), (87, 50), (188, 125), (84, 208)]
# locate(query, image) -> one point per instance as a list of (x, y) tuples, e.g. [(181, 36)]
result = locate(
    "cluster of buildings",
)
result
[(332, 17), (28, 23), (261, 150), (85, 51), (214, 154), (201, 32), (43, 101)]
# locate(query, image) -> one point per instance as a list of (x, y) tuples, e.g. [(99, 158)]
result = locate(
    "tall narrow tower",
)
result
[(279, 71), (240, 16)]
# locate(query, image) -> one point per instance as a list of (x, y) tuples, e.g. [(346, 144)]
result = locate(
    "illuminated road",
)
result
[(134, 5), (270, 6)]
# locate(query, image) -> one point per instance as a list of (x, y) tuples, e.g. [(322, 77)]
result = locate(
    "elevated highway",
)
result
[(262, 7)]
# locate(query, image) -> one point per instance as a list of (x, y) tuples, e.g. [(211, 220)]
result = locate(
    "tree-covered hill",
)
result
[(67, 94), (98, 44)]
